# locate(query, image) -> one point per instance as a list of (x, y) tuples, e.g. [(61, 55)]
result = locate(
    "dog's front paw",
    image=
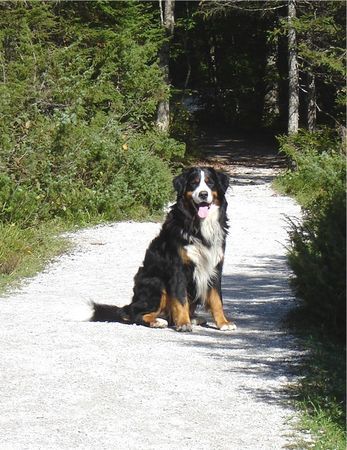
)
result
[(230, 326), (185, 327)]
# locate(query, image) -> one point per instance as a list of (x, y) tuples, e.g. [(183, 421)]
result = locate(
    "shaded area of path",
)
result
[(68, 384), (254, 150)]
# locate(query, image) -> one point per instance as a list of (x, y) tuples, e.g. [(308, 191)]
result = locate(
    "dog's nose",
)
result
[(203, 195)]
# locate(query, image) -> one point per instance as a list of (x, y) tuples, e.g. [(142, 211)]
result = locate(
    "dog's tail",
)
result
[(110, 313), (89, 311)]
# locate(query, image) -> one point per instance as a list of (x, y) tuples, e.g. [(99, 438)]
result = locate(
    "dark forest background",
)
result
[(233, 57)]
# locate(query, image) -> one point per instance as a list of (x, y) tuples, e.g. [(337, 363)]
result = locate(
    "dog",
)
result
[(182, 267)]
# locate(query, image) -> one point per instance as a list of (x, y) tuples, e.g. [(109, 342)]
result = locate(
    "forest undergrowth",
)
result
[(317, 255), (80, 84)]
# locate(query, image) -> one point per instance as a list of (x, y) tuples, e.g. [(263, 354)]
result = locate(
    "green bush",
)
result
[(318, 166), (318, 245), (79, 88), (84, 175), (161, 144)]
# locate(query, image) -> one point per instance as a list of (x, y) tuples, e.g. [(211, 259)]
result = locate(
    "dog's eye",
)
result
[(209, 182), (194, 183)]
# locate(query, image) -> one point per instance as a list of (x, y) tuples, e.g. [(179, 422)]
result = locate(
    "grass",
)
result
[(321, 394), (25, 251)]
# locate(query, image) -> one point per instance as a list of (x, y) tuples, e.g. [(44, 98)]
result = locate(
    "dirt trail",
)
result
[(68, 384)]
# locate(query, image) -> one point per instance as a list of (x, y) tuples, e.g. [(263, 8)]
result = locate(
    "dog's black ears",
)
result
[(179, 183), (223, 180)]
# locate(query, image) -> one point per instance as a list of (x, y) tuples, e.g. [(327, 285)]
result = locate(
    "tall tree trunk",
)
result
[(293, 72), (168, 22), (311, 102), (187, 53), (271, 108)]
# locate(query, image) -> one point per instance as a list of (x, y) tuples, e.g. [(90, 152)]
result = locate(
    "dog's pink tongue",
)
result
[(203, 212)]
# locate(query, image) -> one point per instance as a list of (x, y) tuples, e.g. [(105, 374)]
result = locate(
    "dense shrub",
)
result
[(318, 166), (318, 244), (79, 89), (81, 174)]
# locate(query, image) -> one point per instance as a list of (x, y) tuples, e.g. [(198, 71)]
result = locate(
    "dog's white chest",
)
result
[(206, 257)]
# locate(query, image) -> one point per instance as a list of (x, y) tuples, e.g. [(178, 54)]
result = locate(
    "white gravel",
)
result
[(83, 385)]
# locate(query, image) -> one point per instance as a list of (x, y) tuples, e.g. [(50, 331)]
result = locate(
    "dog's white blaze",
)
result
[(202, 187), (206, 258)]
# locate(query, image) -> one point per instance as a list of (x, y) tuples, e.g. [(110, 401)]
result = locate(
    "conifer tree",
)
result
[(293, 72), (168, 23)]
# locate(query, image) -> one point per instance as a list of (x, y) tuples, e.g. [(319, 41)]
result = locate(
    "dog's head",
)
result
[(201, 188)]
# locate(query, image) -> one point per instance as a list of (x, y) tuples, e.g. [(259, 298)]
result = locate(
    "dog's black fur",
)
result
[(167, 284)]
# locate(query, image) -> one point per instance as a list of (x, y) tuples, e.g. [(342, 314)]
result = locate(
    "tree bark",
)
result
[(271, 108), (293, 72), (168, 22), (187, 53), (311, 102)]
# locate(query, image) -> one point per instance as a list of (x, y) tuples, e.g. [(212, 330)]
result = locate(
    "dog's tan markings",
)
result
[(216, 199), (214, 304), (152, 318), (188, 199), (184, 256), (188, 195), (180, 315)]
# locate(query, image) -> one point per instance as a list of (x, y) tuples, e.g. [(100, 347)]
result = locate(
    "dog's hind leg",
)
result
[(151, 319)]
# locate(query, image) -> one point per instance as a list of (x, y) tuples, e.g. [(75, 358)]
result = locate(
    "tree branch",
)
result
[(233, 4), (161, 13)]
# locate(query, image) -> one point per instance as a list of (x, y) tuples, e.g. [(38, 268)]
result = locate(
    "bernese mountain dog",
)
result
[(183, 264)]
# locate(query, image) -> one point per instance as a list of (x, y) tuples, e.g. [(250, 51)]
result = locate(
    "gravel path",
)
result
[(68, 384)]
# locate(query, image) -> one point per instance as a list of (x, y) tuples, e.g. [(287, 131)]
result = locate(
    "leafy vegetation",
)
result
[(317, 255), (79, 87), (321, 392), (318, 244), (24, 251), (70, 143), (234, 56)]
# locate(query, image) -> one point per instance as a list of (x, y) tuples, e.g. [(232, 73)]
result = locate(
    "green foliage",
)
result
[(320, 393), (318, 25), (95, 56), (317, 255), (318, 244), (319, 164), (24, 251), (235, 54), (83, 173), (161, 144), (79, 89), (320, 28)]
